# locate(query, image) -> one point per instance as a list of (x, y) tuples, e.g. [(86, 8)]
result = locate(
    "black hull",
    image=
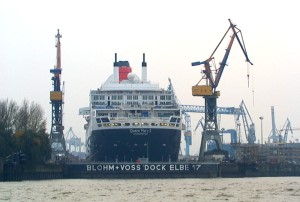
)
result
[(131, 145)]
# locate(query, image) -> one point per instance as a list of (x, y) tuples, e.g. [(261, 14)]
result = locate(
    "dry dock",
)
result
[(146, 171)]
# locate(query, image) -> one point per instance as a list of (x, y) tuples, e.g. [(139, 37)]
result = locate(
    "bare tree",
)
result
[(25, 117), (36, 118), (24, 129), (8, 114), (22, 117), (30, 117)]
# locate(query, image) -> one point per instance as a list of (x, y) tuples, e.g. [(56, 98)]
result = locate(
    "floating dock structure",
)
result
[(148, 170)]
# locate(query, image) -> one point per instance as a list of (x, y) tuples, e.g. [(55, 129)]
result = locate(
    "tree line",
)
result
[(23, 129)]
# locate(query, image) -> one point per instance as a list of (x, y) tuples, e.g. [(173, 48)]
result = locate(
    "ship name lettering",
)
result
[(130, 167), (140, 131), (100, 167), (146, 130), (180, 167), (135, 131), (157, 167)]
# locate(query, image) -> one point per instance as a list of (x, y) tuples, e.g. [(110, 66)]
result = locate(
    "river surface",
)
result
[(215, 189)]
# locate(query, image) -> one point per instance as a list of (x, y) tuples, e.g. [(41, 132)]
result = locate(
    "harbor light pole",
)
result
[(239, 130), (222, 138), (261, 128)]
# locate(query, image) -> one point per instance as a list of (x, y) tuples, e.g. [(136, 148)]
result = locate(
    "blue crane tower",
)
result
[(185, 109), (57, 141), (208, 91)]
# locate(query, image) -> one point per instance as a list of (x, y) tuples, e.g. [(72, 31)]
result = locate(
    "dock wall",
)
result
[(145, 171)]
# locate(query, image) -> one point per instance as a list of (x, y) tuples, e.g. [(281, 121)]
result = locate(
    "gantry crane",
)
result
[(57, 141), (187, 133), (249, 126), (73, 142), (279, 136), (209, 92), (198, 109), (286, 128)]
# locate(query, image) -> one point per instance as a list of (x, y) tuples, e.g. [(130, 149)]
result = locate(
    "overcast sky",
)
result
[(172, 34)]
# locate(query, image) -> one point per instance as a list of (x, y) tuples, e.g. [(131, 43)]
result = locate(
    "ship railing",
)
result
[(140, 122), (134, 118), (167, 107), (105, 107), (129, 107)]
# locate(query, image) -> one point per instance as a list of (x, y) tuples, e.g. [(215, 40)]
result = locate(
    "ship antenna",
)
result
[(115, 63), (144, 63), (144, 69), (116, 70)]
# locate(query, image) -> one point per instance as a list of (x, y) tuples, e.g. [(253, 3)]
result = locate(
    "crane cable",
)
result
[(248, 76)]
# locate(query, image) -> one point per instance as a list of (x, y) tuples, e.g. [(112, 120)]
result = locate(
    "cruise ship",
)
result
[(130, 119)]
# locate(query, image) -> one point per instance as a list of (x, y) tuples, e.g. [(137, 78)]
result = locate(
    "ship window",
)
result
[(153, 124), (145, 114), (95, 103), (115, 103), (129, 97), (102, 114), (99, 125), (126, 124), (178, 120), (168, 97), (120, 97), (171, 124), (98, 120), (135, 97), (104, 119), (165, 114), (135, 124), (101, 97), (150, 97), (116, 124), (173, 119), (106, 124), (113, 114), (163, 124), (113, 97), (95, 97), (145, 97), (162, 97), (145, 124)]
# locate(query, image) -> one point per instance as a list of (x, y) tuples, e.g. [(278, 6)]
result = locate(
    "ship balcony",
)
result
[(158, 122)]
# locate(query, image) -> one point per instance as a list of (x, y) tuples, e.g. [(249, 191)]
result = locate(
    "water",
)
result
[(216, 189)]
